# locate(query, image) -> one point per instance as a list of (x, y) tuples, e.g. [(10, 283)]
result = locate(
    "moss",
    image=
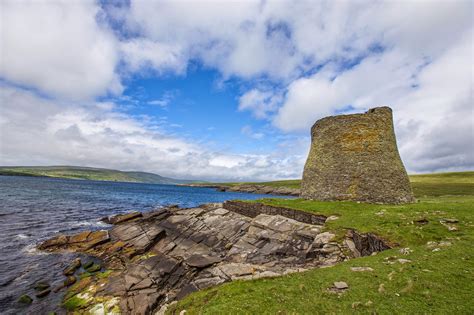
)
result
[(25, 299), (75, 303), (104, 275)]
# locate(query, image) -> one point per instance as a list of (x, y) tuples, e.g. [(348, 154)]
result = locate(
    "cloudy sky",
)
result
[(228, 90)]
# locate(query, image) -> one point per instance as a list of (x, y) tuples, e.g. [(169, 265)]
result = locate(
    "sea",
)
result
[(33, 209)]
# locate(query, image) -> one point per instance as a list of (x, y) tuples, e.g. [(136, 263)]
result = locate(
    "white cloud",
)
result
[(249, 132), (39, 131), (59, 48), (260, 103), (143, 55)]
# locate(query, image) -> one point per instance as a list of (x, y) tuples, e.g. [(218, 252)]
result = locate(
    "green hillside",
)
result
[(89, 173)]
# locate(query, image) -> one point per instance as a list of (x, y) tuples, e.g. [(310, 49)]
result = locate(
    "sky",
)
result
[(228, 90)]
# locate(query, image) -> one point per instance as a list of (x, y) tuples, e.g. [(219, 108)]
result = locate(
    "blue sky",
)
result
[(228, 91)]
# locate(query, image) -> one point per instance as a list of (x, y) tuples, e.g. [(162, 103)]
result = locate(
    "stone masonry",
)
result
[(355, 157)]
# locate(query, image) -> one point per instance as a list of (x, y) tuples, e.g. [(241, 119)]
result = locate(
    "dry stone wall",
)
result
[(355, 157)]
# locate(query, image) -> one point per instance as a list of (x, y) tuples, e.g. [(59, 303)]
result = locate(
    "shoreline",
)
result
[(148, 260), (251, 188)]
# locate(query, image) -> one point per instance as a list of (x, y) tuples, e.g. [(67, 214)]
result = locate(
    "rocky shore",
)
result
[(146, 261), (252, 189)]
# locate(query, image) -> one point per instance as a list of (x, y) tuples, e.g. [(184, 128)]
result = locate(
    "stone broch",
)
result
[(355, 157)]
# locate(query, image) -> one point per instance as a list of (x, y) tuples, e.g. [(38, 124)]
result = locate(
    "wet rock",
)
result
[(93, 268), (70, 280), (43, 293), (88, 264), (41, 285), (25, 299), (56, 241), (71, 269), (121, 218)]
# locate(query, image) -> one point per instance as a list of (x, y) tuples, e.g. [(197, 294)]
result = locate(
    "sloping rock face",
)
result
[(355, 157), (164, 255)]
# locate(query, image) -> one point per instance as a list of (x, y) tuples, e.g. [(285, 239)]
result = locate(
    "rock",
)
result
[(403, 261), (381, 288), (234, 270), (332, 218), (340, 285), (208, 282), (71, 269), (25, 299), (54, 242), (41, 285), (93, 268), (88, 264), (361, 269), (70, 280), (405, 251), (355, 157), (449, 221), (201, 261), (323, 238), (43, 293), (121, 218)]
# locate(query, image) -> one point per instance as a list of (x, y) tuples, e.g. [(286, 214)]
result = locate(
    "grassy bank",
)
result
[(435, 277)]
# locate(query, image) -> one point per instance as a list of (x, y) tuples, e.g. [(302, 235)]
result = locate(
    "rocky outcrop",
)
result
[(355, 157), (164, 255), (253, 189)]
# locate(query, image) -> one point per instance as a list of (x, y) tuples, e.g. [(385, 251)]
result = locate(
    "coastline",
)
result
[(150, 260), (251, 188)]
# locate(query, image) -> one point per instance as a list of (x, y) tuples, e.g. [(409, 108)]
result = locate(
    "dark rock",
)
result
[(25, 299), (41, 285), (367, 243), (201, 261), (43, 293), (88, 264), (70, 280), (71, 269), (93, 268), (190, 288), (121, 218)]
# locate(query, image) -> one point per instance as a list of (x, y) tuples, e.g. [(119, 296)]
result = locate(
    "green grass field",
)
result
[(438, 279)]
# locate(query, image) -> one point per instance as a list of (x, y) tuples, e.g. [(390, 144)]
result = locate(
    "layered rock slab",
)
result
[(355, 157), (166, 254)]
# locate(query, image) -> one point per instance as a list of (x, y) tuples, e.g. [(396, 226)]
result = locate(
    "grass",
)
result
[(439, 278)]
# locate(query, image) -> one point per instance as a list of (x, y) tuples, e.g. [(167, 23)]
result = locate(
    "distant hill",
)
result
[(89, 173)]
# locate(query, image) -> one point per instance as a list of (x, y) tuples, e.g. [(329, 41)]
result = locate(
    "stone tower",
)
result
[(355, 157)]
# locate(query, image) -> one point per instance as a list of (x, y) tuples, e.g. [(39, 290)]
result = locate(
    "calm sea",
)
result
[(34, 209)]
